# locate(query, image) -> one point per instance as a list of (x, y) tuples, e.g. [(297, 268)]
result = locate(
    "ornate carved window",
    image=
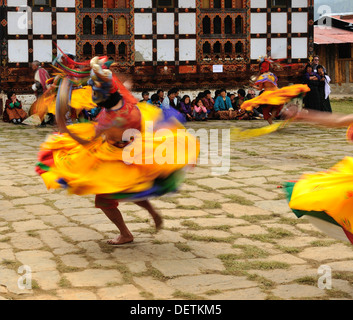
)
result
[(217, 25), (86, 4), (98, 3), (217, 48), (206, 48), (87, 25), (99, 49), (122, 25), (111, 48), (217, 4), (98, 25), (122, 50), (206, 25), (110, 25), (228, 48), (238, 47), (239, 25), (228, 3), (228, 25), (87, 49)]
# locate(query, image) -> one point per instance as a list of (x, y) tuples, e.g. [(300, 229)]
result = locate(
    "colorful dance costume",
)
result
[(326, 198), (131, 154), (272, 98)]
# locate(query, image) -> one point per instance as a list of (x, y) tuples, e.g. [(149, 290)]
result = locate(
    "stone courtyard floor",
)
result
[(229, 236)]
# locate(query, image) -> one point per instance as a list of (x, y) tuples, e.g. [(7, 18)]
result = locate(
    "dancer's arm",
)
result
[(332, 120)]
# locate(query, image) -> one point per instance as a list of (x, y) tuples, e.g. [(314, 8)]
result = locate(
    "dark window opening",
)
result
[(217, 47), (206, 25), (111, 48), (110, 25), (217, 25), (87, 25), (238, 24), (228, 48), (228, 25), (98, 3), (206, 48), (239, 47), (87, 49), (99, 48), (98, 25), (122, 49), (86, 4), (217, 4), (228, 3)]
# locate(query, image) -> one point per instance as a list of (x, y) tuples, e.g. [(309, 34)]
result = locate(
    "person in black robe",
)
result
[(312, 79)]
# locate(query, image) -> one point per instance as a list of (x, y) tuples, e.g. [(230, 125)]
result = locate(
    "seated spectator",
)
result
[(155, 100), (223, 107), (185, 108), (239, 99), (200, 111), (257, 111), (169, 100), (208, 102), (251, 94), (177, 98), (217, 93), (160, 93), (145, 96), (13, 110)]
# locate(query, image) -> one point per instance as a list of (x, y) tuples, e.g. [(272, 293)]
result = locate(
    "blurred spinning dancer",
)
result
[(95, 157)]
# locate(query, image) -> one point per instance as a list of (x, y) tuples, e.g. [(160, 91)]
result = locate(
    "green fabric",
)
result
[(160, 187), (288, 187), (12, 105), (17, 104), (42, 166)]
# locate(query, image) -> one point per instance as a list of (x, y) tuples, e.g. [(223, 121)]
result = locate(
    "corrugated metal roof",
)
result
[(332, 35), (344, 17)]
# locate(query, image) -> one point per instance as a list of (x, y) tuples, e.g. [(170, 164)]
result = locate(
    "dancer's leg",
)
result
[(110, 208), (116, 217), (158, 221)]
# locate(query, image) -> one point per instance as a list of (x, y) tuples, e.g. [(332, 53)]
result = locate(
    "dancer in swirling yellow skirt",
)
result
[(133, 152), (326, 198)]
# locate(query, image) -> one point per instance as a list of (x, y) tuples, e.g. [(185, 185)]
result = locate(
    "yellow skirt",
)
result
[(150, 165), (326, 195)]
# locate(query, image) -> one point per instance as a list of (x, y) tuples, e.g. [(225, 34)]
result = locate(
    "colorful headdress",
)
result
[(105, 83), (267, 77)]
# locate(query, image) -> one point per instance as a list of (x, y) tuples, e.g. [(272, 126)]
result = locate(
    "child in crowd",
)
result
[(200, 111)]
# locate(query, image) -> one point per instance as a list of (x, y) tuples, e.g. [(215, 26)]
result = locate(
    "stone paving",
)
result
[(229, 236)]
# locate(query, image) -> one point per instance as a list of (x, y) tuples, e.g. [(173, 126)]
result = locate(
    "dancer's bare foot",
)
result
[(121, 240), (158, 221)]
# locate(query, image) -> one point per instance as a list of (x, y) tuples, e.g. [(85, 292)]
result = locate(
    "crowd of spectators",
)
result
[(205, 106)]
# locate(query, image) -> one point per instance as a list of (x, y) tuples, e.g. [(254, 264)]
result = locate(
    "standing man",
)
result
[(316, 62), (40, 77), (39, 86)]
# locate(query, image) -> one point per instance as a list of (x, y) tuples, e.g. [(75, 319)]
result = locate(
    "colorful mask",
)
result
[(101, 80)]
